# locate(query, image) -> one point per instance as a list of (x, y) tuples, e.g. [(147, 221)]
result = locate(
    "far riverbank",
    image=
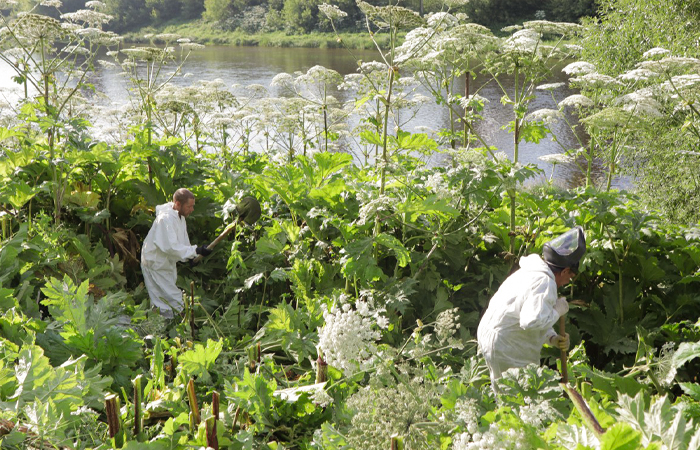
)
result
[(207, 33)]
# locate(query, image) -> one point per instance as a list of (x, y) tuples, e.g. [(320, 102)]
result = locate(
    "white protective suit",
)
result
[(519, 318), (166, 244)]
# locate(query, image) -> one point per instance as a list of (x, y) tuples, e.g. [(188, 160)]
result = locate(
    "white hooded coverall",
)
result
[(166, 244), (519, 318)]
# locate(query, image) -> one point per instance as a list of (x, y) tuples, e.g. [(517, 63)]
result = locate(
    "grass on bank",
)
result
[(207, 33)]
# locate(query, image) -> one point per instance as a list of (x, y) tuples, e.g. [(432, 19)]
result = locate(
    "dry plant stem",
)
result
[(112, 411)]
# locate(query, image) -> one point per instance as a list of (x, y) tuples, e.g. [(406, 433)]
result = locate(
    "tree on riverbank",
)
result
[(662, 154)]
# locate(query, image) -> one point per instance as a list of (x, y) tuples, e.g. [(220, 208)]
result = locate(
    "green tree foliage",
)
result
[(215, 10), (626, 29), (300, 15), (127, 14), (662, 156)]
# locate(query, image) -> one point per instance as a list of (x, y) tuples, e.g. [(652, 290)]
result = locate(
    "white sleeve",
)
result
[(538, 311), (166, 240)]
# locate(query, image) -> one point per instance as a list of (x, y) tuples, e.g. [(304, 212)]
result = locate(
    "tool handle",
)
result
[(564, 366), (217, 240)]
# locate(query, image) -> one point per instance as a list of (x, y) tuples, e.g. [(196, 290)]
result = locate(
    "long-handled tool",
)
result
[(248, 210), (564, 368)]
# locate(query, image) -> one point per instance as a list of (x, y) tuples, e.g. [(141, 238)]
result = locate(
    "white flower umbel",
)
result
[(576, 101), (546, 115), (547, 27), (446, 325), (442, 21), (635, 75), (640, 104), (579, 68), (596, 80), (557, 158), (348, 336), (550, 86), (656, 53), (524, 41), (673, 64), (370, 210), (332, 11), (495, 438)]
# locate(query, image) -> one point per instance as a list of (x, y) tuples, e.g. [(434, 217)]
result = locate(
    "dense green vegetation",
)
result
[(303, 16), (344, 319), (666, 159)]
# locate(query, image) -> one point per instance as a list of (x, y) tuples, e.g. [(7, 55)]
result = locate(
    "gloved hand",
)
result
[(203, 250), (561, 306), (560, 341)]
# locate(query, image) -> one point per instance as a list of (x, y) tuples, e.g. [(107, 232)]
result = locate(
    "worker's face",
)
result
[(186, 208), (564, 277)]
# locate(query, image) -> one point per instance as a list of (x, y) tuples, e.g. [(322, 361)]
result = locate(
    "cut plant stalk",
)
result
[(138, 413), (116, 432), (212, 439), (194, 408)]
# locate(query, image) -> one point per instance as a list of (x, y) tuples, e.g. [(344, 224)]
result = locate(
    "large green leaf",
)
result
[(200, 360), (67, 302), (389, 241), (621, 436), (686, 352), (18, 194)]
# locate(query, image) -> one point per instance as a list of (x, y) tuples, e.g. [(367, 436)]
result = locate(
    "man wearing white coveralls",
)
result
[(520, 316), (167, 243)]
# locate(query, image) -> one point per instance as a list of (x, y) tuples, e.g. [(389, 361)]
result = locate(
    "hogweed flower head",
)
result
[(656, 53), (557, 158), (348, 336), (576, 101), (550, 86), (596, 80), (674, 64), (579, 68), (442, 21), (332, 11), (523, 41), (560, 28), (635, 75), (640, 103), (545, 115), (447, 324)]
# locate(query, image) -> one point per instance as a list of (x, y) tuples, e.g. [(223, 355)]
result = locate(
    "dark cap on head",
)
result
[(566, 250)]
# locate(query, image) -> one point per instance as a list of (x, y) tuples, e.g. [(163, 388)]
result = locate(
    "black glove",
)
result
[(203, 250)]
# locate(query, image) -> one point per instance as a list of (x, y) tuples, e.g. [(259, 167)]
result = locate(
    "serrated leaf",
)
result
[(402, 255), (201, 359), (686, 352), (691, 389), (621, 436)]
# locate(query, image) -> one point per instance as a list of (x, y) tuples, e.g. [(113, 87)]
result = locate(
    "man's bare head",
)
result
[(183, 202)]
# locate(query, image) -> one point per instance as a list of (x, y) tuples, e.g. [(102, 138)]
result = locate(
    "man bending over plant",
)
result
[(520, 316), (167, 243)]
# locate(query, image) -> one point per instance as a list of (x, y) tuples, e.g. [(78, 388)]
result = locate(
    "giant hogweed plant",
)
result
[(29, 45)]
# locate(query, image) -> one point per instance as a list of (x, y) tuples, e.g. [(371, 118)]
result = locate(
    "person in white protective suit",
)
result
[(166, 244), (520, 316)]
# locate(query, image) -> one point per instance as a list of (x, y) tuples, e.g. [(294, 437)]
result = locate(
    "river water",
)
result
[(258, 65)]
